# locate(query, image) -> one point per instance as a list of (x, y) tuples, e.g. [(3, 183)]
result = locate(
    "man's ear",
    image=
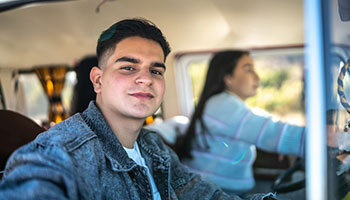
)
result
[(95, 77)]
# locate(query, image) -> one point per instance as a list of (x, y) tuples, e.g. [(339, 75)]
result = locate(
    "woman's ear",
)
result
[(228, 80), (95, 77)]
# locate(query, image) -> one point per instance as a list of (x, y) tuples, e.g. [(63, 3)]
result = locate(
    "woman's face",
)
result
[(243, 81)]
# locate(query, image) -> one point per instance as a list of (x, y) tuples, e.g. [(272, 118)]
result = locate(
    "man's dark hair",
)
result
[(128, 28)]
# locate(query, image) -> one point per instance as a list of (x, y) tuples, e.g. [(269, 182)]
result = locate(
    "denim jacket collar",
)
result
[(159, 157), (110, 144)]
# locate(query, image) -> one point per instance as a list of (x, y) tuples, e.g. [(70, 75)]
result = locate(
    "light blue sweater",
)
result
[(235, 131)]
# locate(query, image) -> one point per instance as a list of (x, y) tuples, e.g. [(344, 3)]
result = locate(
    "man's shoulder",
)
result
[(56, 147), (68, 133)]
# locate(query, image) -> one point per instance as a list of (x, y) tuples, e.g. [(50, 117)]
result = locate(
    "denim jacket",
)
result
[(81, 158)]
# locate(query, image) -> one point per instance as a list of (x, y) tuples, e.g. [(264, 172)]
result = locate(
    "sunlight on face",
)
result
[(243, 81), (132, 83)]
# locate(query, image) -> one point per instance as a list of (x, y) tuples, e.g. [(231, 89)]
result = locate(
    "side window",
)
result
[(281, 90), (281, 73), (36, 101), (191, 70)]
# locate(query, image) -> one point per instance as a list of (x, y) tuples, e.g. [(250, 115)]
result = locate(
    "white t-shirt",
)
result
[(136, 156)]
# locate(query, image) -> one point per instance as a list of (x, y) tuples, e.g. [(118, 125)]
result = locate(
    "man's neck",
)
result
[(126, 132), (126, 129)]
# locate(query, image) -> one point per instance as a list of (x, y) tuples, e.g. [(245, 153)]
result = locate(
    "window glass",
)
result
[(281, 82), (281, 86), (37, 103), (197, 71)]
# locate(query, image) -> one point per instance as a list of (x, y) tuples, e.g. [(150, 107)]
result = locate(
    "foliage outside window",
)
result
[(281, 85)]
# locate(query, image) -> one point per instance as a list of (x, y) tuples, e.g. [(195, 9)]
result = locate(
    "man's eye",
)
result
[(153, 71), (128, 68)]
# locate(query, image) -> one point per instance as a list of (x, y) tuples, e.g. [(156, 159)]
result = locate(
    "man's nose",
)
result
[(144, 77)]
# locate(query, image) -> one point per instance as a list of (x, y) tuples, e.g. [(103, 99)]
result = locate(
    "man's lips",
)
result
[(142, 95)]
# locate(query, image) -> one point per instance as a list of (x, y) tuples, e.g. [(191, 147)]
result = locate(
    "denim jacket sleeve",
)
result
[(194, 187), (39, 172)]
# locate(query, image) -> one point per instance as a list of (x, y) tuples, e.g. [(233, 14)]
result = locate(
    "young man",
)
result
[(103, 153)]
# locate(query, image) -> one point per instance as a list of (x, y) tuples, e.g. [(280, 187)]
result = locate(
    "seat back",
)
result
[(171, 128), (15, 130)]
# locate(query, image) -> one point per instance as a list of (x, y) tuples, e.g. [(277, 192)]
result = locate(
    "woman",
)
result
[(83, 91), (220, 141)]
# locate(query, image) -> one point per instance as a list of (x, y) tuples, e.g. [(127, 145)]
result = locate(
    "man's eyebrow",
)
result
[(128, 59), (136, 61), (158, 64)]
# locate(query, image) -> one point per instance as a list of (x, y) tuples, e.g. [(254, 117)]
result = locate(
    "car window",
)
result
[(281, 72)]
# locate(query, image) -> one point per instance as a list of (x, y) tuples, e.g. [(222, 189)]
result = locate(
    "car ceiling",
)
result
[(64, 31)]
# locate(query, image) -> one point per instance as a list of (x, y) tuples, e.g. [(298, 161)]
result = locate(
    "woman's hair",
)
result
[(221, 64), (83, 91)]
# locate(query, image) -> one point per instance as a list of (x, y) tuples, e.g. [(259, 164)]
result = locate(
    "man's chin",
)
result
[(143, 111), (142, 116)]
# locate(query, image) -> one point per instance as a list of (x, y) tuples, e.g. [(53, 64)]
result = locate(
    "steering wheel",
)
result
[(282, 183)]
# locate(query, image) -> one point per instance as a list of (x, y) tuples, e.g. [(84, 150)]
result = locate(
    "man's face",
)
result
[(131, 84)]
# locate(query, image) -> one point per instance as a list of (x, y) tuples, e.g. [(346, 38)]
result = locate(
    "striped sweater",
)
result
[(235, 132)]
